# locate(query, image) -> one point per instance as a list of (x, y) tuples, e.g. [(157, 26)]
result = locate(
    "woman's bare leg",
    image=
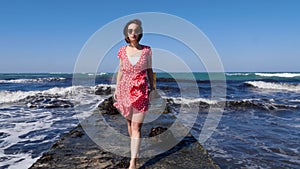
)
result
[(128, 119), (136, 125)]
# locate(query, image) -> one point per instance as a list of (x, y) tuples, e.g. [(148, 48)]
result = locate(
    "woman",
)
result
[(131, 93)]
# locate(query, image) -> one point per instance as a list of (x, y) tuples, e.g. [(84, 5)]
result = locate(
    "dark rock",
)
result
[(76, 133), (56, 144), (245, 104), (203, 105), (46, 157), (103, 90), (3, 135), (124, 163), (156, 131), (106, 107), (47, 101), (167, 110), (162, 135)]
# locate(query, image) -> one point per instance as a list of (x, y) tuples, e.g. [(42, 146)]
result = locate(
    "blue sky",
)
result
[(249, 35)]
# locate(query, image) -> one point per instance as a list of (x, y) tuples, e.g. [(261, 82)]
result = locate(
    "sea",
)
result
[(259, 127)]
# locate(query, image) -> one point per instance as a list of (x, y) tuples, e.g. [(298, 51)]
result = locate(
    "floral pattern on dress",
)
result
[(132, 89)]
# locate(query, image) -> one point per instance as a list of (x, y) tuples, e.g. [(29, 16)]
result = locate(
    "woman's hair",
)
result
[(125, 30)]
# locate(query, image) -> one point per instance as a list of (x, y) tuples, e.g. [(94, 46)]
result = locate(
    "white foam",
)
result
[(181, 100), (100, 74), (9, 97), (37, 80), (275, 86), (72, 92), (278, 74), (250, 100), (95, 74), (60, 73), (19, 129), (295, 100), (25, 163), (237, 74)]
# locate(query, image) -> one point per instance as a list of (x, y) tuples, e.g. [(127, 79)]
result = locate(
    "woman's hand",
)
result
[(115, 95)]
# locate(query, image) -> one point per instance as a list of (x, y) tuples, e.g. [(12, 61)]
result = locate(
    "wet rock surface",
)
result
[(82, 147), (47, 101), (103, 90), (77, 150), (106, 107)]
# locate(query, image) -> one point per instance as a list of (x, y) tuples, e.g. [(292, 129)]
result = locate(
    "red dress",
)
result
[(132, 89)]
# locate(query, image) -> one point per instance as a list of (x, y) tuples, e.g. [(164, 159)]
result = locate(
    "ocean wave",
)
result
[(256, 103), (274, 86), (55, 97), (288, 75), (264, 104), (37, 80), (16, 96), (59, 73), (91, 74), (295, 100), (237, 74), (181, 100), (101, 74)]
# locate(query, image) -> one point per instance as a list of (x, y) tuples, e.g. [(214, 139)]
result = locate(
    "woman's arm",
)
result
[(119, 75), (150, 72), (150, 77)]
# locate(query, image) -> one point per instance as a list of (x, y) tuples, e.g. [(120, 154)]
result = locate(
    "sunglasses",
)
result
[(136, 31)]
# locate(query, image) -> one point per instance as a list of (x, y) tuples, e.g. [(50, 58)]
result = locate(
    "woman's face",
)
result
[(133, 32)]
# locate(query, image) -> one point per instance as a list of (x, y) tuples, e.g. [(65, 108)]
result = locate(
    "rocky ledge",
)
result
[(80, 148)]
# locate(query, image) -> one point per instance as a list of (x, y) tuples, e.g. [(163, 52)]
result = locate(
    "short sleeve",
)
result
[(120, 53)]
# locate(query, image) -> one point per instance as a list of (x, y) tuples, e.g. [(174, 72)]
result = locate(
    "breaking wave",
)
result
[(288, 75), (274, 86), (37, 80)]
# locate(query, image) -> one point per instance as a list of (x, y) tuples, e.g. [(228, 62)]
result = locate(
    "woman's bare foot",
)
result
[(132, 164)]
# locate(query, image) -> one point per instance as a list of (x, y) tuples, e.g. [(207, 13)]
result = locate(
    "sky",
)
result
[(248, 35)]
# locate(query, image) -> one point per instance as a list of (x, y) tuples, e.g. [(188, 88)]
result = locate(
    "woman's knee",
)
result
[(136, 127)]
